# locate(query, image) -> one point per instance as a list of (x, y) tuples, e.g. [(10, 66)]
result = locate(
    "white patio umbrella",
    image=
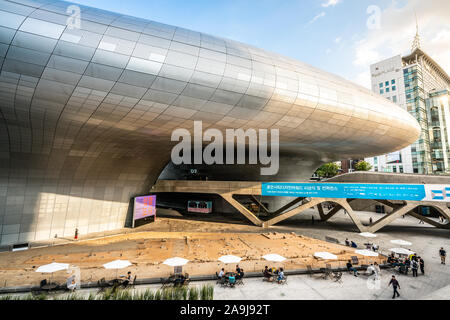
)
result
[(230, 259), (368, 235), (175, 262), (117, 264), (402, 251), (274, 257), (366, 253), (325, 255), (52, 267), (401, 242)]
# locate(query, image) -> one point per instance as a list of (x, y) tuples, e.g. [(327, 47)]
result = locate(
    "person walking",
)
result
[(76, 233), (414, 267), (395, 285), (443, 254), (422, 265)]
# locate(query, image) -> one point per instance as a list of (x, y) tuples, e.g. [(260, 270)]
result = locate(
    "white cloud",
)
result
[(328, 51), (330, 3), (397, 30), (320, 15), (338, 40), (363, 79)]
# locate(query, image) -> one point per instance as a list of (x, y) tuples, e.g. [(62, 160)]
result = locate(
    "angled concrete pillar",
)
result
[(243, 210), (288, 205), (281, 217), (260, 204), (336, 209), (429, 221), (344, 204), (387, 219), (443, 209)]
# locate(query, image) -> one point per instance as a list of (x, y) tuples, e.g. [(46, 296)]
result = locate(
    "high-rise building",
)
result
[(439, 125), (410, 81)]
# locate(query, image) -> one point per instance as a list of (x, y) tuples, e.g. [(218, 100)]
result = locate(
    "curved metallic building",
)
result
[(87, 110)]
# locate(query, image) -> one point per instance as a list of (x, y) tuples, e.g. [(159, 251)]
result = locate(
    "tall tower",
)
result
[(416, 42)]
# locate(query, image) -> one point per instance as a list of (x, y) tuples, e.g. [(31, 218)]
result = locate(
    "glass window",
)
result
[(386, 83), (141, 65), (110, 58), (394, 99), (10, 20), (394, 88), (387, 90), (74, 51), (381, 91), (31, 41), (27, 55), (381, 85), (42, 28), (393, 81)]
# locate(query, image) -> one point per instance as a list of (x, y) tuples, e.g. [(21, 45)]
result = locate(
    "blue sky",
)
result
[(329, 34)]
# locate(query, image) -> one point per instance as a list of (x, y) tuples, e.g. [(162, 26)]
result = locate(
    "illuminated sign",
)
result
[(411, 192), (144, 207)]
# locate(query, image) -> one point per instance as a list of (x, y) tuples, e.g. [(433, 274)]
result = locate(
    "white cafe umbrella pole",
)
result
[(117, 264), (230, 259), (273, 257), (52, 267), (175, 262)]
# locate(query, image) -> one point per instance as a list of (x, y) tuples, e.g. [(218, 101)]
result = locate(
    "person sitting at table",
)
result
[(240, 274), (371, 270), (354, 245), (221, 273), (350, 268), (127, 279), (179, 280), (347, 243), (375, 247), (281, 276), (238, 269), (231, 280), (71, 284), (268, 274)]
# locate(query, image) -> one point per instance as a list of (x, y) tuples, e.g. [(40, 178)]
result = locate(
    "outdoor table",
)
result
[(50, 286), (115, 282)]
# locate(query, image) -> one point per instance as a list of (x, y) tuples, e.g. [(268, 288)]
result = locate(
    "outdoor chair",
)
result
[(283, 281), (223, 282), (337, 277), (327, 273), (239, 281), (166, 282), (102, 283), (218, 279)]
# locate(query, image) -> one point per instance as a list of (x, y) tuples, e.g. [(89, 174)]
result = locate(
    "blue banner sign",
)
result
[(410, 192)]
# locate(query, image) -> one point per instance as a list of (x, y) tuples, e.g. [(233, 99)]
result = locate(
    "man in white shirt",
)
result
[(221, 273)]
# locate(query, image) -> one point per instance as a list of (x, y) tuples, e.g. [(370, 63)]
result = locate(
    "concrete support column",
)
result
[(399, 211), (245, 212), (281, 217)]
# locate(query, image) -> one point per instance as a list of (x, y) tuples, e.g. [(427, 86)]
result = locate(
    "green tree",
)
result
[(363, 166), (328, 170)]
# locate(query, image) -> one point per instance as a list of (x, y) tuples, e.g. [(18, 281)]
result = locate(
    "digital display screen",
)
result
[(144, 207)]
